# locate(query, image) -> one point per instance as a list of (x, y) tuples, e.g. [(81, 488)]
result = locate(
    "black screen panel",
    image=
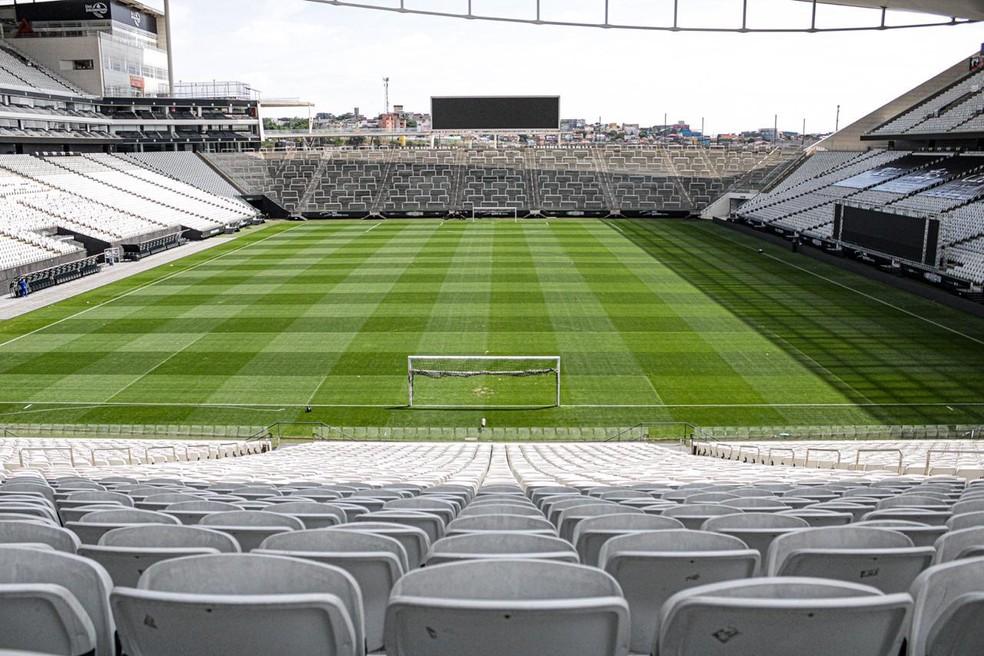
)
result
[(496, 113), (892, 234)]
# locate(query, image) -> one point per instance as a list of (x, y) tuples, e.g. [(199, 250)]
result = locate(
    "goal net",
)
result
[(482, 381)]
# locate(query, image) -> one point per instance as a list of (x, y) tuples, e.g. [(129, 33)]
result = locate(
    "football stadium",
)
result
[(484, 380)]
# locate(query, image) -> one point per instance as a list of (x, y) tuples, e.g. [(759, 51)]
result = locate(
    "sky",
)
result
[(336, 57)]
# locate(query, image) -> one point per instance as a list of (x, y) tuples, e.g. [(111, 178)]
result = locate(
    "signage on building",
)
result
[(96, 9), (137, 82), (86, 10)]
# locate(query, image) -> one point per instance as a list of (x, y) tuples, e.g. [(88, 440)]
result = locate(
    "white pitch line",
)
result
[(373, 228), (137, 289), (821, 367), (861, 293), (653, 388), (156, 367)]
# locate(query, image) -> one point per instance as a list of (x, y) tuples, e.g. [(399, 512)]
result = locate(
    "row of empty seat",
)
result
[(958, 108), (954, 457), (464, 548), (79, 455)]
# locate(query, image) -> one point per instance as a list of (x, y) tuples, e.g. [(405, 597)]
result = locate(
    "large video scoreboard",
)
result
[(912, 238), (505, 113)]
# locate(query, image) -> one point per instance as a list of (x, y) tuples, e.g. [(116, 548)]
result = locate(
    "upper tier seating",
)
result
[(19, 73), (931, 107)]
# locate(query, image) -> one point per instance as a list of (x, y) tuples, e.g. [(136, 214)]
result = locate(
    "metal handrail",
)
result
[(857, 459), (694, 430), (768, 454), (70, 450), (128, 450), (758, 451), (806, 463), (148, 449)]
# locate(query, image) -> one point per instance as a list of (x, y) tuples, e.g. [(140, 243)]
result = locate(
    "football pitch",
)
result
[(654, 321)]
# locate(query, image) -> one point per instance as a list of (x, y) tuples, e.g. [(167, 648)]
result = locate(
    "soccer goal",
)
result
[(483, 381), (494, 213)]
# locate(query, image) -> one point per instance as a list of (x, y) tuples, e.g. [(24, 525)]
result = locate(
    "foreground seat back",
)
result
[(781, 617), (44, 616), (515, 607), (235, 604), (938, 592), (878, 557), (653, 566), (375, 561), (84, 579), (58, 538)]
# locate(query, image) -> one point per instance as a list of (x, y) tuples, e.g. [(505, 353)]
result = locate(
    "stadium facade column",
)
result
[(170, 47)]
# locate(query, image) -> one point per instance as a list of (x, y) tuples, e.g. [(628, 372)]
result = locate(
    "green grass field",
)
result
[(654, 321)]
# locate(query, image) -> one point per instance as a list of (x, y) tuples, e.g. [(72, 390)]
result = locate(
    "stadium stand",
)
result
[(59, 214), (495, 178), (550, 180), (673, 535), (958, 108), (947, 186), (419, 183), (185, 167), (568, 180)]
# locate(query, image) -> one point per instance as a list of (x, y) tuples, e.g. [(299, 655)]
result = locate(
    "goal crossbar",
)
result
[(542, 365)]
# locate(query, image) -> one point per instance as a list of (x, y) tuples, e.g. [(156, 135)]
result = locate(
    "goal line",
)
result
[(483, 381)]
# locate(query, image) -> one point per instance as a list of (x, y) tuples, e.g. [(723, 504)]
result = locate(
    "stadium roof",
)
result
[(971, 9), (933, 12)]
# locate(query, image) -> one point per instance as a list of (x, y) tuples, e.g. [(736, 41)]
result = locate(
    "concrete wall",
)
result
[(50, 53)]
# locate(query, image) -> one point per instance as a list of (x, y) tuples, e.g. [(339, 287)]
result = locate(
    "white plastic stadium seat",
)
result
[(235, 604), (94, 525), (653, 566), (59, 538), (128, 551), (882, 558), (374, 561), (591, 533), (62, 576), (938, 622), (755, 529), (482, 523), (414, 540), (781, 617), (515, 607), (251, 527), (505, 544)]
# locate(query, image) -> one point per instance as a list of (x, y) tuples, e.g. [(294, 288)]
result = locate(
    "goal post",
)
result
[(483, 381)]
